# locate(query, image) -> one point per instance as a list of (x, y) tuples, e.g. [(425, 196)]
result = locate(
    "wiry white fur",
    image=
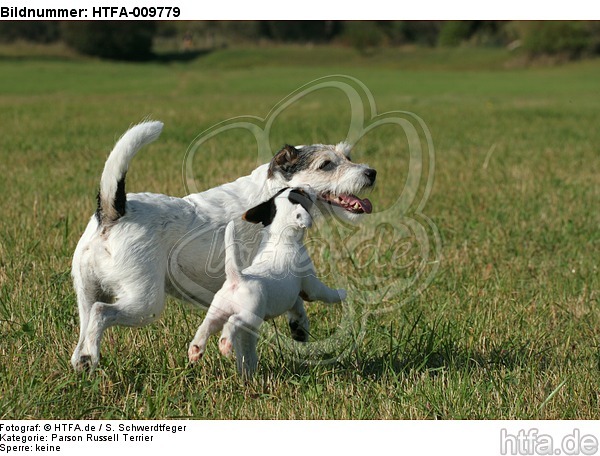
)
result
[(268, 288), (120, 271), (343, 148), (346, 178)]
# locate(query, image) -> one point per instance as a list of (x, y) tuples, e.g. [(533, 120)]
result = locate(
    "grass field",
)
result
[(507, 328)]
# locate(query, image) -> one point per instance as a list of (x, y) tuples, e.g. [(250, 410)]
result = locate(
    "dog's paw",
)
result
[(194, 353), (342, 293), (225, 346), (299, 333), (84, 362)]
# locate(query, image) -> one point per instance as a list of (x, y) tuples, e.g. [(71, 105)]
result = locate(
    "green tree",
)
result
[(119, 40)]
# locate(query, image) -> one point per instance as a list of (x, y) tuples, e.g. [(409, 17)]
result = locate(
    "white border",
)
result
[(348, 438), (345, 10)]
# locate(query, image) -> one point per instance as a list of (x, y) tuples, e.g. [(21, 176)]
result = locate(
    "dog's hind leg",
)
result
[(298, 321), (135, 310), (85, 301), (245, 352), (241, 334)]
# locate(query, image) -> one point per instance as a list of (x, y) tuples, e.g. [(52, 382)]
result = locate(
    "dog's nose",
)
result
[(371, 174)]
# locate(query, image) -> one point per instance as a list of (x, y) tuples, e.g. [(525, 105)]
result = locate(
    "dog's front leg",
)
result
[(217, 315), (209, 326)]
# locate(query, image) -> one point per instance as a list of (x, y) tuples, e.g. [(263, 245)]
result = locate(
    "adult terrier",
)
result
[(280, 273), (120, 265)]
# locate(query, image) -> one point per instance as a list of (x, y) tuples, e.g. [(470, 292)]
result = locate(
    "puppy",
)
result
[(124, 263), (280, 273)]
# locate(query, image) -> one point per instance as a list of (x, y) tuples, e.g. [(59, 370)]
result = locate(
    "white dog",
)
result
[(120, 265), (280, 273)]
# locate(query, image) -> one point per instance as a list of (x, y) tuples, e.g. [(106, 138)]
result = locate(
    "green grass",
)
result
[(508, 327)]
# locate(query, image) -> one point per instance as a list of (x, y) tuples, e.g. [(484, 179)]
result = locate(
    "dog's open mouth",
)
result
[(351, 203)]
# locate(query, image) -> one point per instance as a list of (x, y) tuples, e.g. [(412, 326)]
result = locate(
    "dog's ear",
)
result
[(263, 213), (299, 196), (284, 160)]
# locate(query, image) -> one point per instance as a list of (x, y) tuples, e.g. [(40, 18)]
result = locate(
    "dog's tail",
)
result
[(233, 269), (112, 196)]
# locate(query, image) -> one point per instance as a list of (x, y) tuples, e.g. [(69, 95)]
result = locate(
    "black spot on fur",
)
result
[(289, 161), (263, 213), (109, 211), (98, 213), (120, 197)]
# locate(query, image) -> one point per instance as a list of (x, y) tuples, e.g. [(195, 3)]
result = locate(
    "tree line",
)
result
[(134, 40)]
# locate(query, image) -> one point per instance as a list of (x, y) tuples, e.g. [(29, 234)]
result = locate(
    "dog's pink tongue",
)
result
[(364, 204)]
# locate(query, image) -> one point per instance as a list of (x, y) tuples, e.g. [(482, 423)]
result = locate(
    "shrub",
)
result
[(299, 31), (567, 38), (419, 32), (454, 33), (365, 36), (34, 31), (119, 40)]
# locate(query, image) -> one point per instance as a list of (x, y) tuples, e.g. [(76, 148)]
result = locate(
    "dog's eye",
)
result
[(327, 165)]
